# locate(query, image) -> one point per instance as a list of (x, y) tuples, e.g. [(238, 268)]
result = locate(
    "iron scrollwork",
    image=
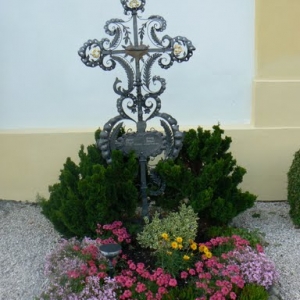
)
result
[(136, 46)]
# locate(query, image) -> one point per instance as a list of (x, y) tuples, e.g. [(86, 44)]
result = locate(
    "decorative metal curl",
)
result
[(157, 185)]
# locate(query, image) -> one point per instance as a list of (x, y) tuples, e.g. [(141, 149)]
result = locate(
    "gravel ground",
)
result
[(272, 219), (26, 236)]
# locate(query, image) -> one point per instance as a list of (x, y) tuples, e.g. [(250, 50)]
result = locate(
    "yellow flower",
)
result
[(169, 252), (179, 239), (174, 245), (203, 248), (165, 236), (206, 251), (186, 257), (180, 246), (208, 254), (193, 246)]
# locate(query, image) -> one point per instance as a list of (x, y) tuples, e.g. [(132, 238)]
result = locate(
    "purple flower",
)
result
[(256, 267)]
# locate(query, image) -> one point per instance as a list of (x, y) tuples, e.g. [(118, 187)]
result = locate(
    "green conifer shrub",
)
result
[(294, 189), (207, 175), (92, 192)]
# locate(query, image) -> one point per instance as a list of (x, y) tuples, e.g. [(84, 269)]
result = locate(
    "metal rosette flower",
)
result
[(182, 49), (93, 54), (132, 6), (179, 49)]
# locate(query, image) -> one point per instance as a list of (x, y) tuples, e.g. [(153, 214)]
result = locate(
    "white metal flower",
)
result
[(134, 4), (177, 49), (96, 53)]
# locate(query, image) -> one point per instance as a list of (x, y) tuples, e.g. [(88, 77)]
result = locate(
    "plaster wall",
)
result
[(44, 84)]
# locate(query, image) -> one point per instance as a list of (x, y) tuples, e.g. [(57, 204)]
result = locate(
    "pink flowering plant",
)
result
[(112, 234), (137, 282), (255, 266), (218, 269), (77, 269)]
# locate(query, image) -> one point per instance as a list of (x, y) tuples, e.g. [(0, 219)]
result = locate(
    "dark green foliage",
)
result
[(294, 189), (187, 293), (92, 192), (205, 173), (253, 292)]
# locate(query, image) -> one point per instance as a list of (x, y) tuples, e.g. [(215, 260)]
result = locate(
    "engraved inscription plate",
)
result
[(150, 143)]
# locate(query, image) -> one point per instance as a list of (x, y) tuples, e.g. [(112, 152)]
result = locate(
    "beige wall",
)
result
[(30, 161), (277, 82), (276, 95), (277, 39)]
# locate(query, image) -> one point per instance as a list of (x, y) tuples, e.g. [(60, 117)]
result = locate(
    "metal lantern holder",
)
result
[(110, 251)]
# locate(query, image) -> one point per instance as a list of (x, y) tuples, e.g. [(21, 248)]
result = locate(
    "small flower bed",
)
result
[(218, 269)]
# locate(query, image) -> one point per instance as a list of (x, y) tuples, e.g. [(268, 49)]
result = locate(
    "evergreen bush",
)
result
[(294, 189), (206, 174), (92, 192)]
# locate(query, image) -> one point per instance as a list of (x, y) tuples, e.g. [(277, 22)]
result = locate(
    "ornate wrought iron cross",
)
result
[(136, 46)]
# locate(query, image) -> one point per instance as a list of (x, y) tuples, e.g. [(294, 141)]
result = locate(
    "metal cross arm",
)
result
[(94, 52), (102, 53)]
